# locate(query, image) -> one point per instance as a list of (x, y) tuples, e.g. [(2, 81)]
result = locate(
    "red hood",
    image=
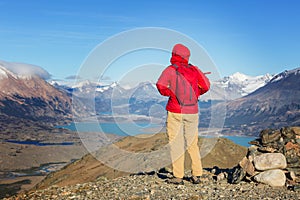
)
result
[(180, 54), (176, 59)]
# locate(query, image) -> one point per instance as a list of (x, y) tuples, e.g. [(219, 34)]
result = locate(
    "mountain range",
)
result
[(120, 100), (251, 102), (227, 88)]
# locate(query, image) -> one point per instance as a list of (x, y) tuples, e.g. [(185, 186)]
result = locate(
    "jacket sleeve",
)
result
[(203, 82), (163, 83)]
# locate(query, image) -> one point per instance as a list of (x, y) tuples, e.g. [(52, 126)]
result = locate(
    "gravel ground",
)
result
[(154, 186)]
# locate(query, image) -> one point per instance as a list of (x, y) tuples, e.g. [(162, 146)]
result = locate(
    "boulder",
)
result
[(270, 161), (247, 166), (269, 136), (288, 132), (290, 145), (253, 152), (275, 177), (267, 149), (291, 175), (296, 130), (292, 154)]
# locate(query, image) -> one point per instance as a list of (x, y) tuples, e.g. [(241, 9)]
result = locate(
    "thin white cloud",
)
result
[(73, 77), (23, 69)]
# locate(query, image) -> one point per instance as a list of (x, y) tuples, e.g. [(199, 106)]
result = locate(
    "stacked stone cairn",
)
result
[(273, 159)]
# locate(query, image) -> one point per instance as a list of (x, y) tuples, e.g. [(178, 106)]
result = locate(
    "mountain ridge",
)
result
[(275, 105), (31, 97), (227, 88)]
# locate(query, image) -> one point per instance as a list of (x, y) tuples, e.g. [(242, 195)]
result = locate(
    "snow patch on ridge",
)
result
[(285, 74), (2, 73), (5, 73)]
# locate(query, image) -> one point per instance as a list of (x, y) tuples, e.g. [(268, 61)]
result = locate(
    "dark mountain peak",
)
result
[(276, 104), (283, 85)]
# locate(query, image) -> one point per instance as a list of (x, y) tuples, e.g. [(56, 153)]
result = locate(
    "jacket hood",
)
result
[(180, 54)]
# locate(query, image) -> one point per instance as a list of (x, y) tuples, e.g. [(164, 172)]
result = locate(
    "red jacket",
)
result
[(167, 82)]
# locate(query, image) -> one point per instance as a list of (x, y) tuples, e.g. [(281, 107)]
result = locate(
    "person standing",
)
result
[(182, 111)]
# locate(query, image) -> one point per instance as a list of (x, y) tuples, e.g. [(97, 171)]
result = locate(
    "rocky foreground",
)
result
[(79, 179), (153, 186)]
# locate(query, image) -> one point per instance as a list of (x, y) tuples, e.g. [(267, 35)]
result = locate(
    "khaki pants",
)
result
[(182, 130)]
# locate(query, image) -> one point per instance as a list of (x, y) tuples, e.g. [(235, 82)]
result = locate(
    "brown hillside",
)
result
[(224, 154)]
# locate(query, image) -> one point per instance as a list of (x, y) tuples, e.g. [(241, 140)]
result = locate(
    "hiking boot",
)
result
[(195, 179), (176, 181), (237, 175)]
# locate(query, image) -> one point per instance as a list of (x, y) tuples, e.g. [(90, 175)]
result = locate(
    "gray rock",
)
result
[(296, 188), (269, 135), (275, 177), (221, 176), (270, 161)]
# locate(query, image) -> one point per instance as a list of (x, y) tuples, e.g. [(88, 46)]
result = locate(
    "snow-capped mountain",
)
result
[(113, 97), (22, 70), (236, 86), (228, 88), (25, 94), (145, 91)]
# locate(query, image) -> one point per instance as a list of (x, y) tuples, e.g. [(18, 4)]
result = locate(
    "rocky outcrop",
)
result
[(273, 159)]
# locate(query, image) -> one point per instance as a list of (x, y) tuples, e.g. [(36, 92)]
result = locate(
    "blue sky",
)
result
[(253, 37)]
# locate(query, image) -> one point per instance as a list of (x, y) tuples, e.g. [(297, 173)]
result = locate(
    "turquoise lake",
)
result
[(126, 129)]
